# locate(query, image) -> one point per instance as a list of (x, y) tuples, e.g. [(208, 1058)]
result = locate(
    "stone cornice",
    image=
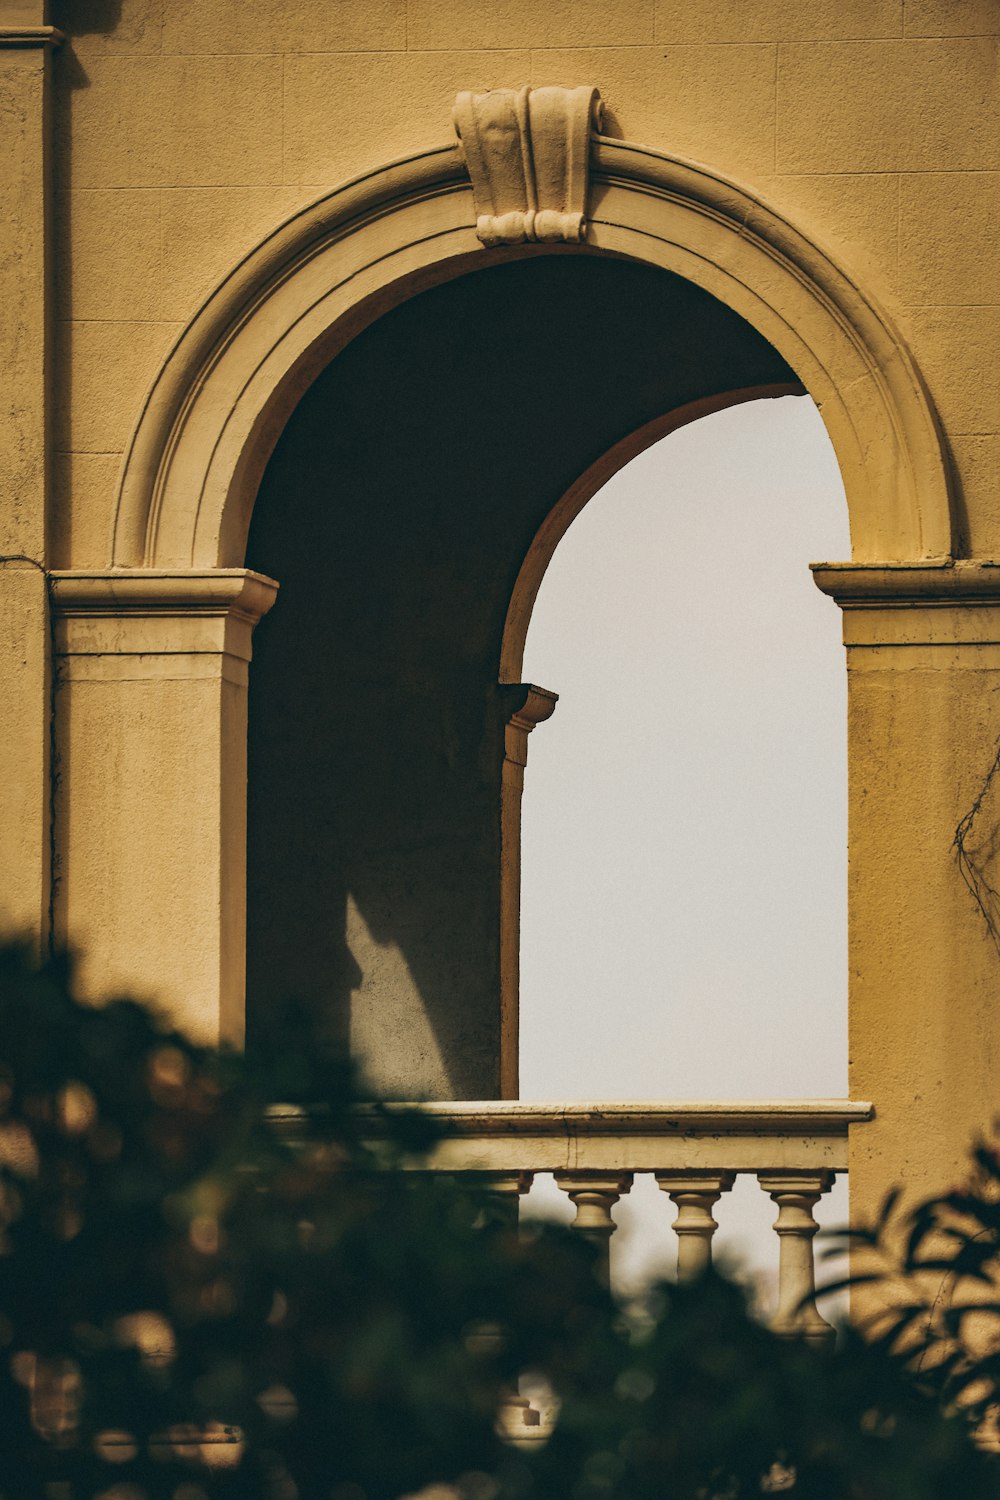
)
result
[(902, 585), (121, 592), (141, 619), (30, 36)]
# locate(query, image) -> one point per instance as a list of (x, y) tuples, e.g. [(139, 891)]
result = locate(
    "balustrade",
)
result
[(695, 1152), (794, 1148)]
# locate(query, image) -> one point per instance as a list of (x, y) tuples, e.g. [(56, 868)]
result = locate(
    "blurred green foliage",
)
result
[(196, 1304)]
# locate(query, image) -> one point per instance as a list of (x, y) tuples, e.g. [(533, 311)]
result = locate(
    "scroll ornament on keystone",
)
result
[(528, 154)]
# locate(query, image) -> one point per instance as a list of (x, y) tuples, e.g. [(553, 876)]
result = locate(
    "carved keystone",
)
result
[(528, 154)]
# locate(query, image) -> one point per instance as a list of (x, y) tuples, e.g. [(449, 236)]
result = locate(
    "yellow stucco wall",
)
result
[(183, 131)]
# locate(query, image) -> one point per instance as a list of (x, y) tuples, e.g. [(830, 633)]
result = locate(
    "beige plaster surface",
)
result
[(958, 355), (949, 229)]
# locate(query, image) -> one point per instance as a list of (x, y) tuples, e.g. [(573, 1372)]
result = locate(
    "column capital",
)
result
[(695, 1180), (811, 1183)]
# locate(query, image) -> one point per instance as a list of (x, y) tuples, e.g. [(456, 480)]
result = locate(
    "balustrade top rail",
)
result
[(518, 1136)]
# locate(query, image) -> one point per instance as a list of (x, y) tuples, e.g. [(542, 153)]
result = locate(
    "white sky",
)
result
[(684, 863)]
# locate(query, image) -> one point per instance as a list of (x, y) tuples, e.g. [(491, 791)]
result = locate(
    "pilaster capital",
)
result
[(693, 1180), (25, 23), (940, 602), (905, 585), (30, 36), (792, 1183), (152, 613)]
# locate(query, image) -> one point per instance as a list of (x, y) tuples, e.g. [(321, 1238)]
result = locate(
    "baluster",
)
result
[(595, 1195), (796, 1194), (694, 1194), (504, 1190), (517, 1420)]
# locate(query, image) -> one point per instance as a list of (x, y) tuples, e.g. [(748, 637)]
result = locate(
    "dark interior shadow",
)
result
[(86, 17), (395, 513)]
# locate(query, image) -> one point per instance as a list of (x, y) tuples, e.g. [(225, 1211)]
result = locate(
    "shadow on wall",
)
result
[(87, 17), (395, 512)]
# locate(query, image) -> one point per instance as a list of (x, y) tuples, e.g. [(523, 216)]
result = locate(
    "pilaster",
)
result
[(26, 39), (151, 713), (923, 658)]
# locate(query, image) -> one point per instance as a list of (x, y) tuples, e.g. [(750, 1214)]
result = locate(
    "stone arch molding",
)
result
[(227, 388)]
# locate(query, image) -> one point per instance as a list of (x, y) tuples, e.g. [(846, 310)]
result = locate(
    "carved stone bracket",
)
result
[(528, 154), (536, 705)]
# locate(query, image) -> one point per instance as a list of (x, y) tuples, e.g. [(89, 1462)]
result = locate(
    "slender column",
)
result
[(695, 1194), (796, 1194), (534, 706), (26, 41), (594, 1195), (517, 1420)]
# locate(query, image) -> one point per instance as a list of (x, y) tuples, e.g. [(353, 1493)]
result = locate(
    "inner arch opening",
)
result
[(684, 821)]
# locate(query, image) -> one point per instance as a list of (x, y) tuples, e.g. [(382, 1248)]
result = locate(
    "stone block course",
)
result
[(776, 20), (888, 106), (951, 18), (854, 215), (949, 231), (261, 26), (957, 349), (207, 231), (108, 263), (347, 113), (83, 494), (976, 462), (712, 103), (526, 23), (95, 29), (174, 121), (105, 369)]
